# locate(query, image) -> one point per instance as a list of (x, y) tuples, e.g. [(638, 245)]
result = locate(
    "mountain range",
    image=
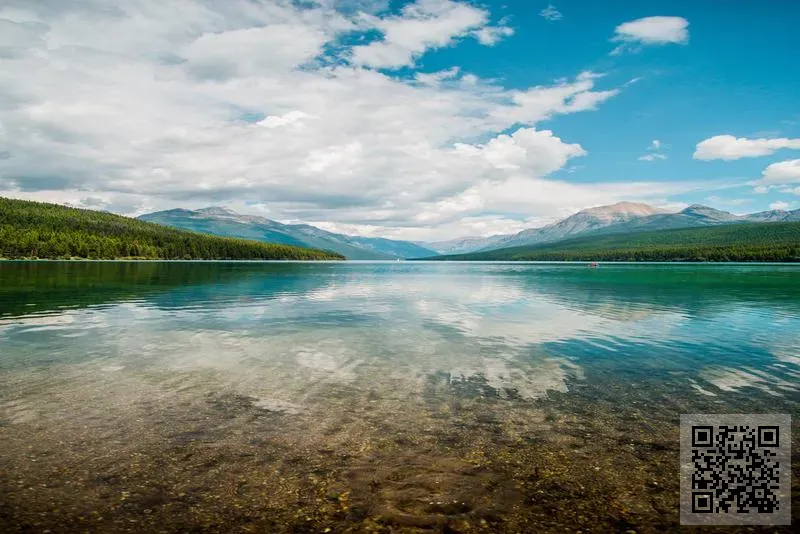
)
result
[(743, 242), (622, 217), (227, 223)]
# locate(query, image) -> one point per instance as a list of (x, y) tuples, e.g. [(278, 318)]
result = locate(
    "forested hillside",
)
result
[(227, 223), (740, 242), (39, 230)]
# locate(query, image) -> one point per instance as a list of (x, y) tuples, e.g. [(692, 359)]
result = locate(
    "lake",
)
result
[(385, 397)]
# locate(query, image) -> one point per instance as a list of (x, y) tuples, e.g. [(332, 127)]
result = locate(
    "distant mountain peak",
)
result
[(698, 210), (217, 211), (223, 221), (624, 205), (771, 216), (772, 212), (588, 219), (636, 209), (701, 208)]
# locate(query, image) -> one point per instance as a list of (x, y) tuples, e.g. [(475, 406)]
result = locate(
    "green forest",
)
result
[(774, 242), (40, 230)]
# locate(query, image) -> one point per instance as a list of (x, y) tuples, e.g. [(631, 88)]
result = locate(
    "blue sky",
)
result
[(735, 75), (421, 120)]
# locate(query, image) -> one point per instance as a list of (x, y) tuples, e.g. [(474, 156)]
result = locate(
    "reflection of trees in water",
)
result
[(631, 292), (36, 287), (613, 291)]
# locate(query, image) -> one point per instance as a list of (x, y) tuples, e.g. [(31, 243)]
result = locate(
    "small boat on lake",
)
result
[(593, 265)]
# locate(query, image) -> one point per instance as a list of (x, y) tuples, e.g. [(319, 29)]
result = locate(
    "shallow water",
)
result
[(386, 397)]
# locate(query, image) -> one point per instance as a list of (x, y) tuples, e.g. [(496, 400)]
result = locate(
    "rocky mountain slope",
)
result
[(464, 244), (584, 221), (623, 217), (224, 222)]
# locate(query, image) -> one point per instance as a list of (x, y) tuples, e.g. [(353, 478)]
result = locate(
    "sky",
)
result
[(422, 120)]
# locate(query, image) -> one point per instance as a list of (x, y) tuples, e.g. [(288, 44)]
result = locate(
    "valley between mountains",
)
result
[(625, 220)]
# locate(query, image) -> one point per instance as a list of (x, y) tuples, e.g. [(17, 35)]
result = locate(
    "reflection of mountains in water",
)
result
[(614, 291), (519, 330), (628, 292)]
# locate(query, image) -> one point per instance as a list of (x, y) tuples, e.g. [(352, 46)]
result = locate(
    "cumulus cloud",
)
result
[(491, 35), (436, 78), (650, 31), (522, 194), (190, 103), (782, 172), (241, 52), (728, 147), (538, 152), (551, 13), (540, 103), (276, 121), (779, 205), (424, 25)]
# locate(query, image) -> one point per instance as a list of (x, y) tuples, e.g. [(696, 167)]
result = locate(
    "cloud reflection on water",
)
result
[(285, 333)]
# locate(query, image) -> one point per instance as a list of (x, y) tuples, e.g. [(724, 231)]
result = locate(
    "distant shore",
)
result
[(419, 260), (151, 260)]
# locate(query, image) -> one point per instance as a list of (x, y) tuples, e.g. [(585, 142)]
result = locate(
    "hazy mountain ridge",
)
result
[(774, 216), (748, 241), (224, 222), (622, 217), (583, 221), (464, 244)]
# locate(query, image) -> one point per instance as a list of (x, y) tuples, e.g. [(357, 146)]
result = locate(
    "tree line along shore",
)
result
[(31, 230)]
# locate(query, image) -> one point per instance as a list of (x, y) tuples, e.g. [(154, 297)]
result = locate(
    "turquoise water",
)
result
[(388, 396)]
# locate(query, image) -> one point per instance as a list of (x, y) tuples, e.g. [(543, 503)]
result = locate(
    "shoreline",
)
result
[(418, 261), (152, 260)]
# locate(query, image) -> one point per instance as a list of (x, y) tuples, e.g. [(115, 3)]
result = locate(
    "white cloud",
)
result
[(191, 103), (276, 121), (728, 201), (540, 103), (652, 157), (779, 205), (655, 144), (435, 79), (782, 172), (521, 194), (334, 160), (491, 35), (424, 25), (551, 13), (728, 147), (251, 51), (651, 31), (760, 189), (538, 152), (470, 225)]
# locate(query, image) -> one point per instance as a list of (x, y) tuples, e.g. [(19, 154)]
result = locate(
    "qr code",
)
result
[(735, 469)]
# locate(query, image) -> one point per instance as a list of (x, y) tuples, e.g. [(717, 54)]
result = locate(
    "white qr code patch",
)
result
[(735, 469)]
